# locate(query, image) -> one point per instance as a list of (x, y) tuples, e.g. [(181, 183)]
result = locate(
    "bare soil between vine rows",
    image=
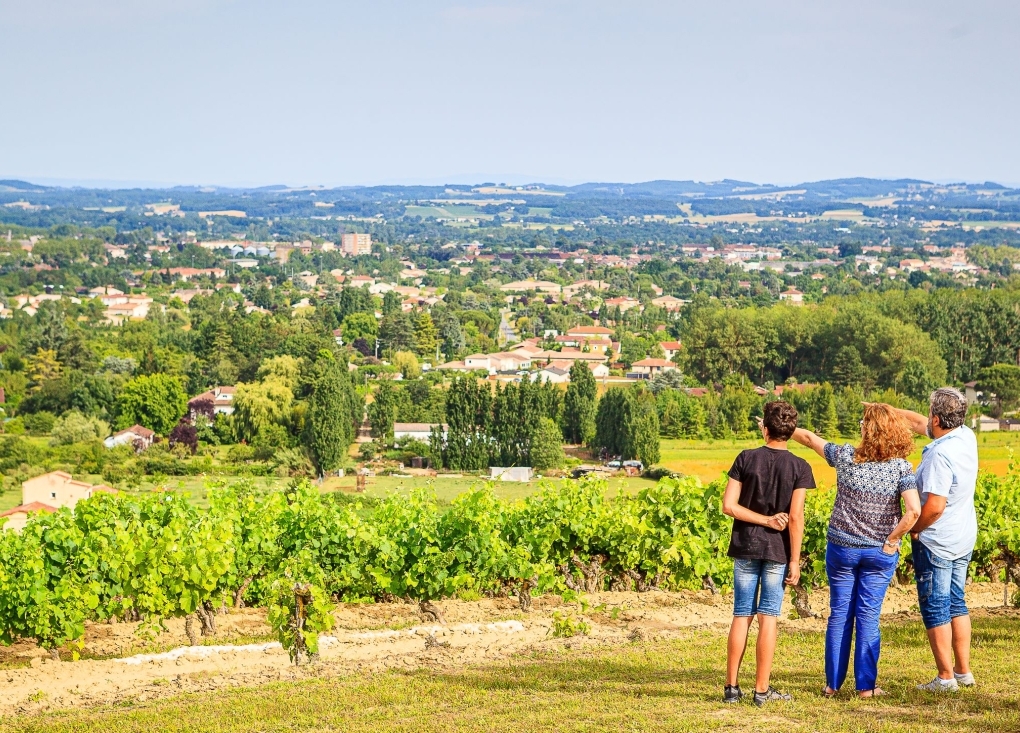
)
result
[(369, 638)]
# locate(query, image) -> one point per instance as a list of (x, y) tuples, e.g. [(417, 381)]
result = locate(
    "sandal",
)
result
[(828, 693)]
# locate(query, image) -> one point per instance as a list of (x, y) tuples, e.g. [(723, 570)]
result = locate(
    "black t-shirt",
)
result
[(768, 477)]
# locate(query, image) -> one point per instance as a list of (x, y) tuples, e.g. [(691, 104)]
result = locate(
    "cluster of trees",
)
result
[(515, 425), (848, 343), (521, 423), (295, 397), (418, 401), (627, 425), (730, 411), (907, 341)]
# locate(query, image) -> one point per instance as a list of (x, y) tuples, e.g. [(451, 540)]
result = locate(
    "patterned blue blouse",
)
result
[(867, 497)]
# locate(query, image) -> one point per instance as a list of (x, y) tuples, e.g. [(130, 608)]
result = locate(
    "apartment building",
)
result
[(356, 243)]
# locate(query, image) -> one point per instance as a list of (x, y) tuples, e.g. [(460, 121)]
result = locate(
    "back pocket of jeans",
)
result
[(924, 586)]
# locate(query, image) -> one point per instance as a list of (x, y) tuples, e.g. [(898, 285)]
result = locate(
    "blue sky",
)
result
[(308, 92)]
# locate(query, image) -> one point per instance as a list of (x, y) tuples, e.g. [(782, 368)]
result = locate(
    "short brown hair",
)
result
[(884, 436), (780, 419)]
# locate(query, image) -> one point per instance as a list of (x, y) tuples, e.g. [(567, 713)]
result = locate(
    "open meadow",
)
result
[(709, 459)]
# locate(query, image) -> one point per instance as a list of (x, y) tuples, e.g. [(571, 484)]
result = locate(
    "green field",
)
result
[(446, 211), (706, 459), (648, 686), (539, 211)]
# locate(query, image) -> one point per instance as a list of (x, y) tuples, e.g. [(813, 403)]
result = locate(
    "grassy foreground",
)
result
[(649, 686)]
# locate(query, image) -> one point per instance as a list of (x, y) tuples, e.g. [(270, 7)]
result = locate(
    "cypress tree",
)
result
[(611, 419), (627, 425), (827, 418), (643, 430), (332, 416), (579, 405)]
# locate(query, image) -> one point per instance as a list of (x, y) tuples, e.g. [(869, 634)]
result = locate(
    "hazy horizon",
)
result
[(224, 93), (476, 180)]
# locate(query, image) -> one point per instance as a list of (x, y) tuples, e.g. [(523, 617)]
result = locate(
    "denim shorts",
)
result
[(758, 587), (940, 585)]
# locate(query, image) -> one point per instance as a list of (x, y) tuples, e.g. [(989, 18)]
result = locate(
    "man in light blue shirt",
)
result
[(945, 533)]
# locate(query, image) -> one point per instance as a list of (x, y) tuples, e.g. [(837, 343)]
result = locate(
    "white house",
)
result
[(669, 303), (509, 361), (986, 424), (670, 348), (553, 374), (598, 371), (132, 436), (514, 473), (46, 494), (624, 303), (569, 355), (650, 367), (17, 517), (416, 431), (792, 295), (478, 361), (222, 399)]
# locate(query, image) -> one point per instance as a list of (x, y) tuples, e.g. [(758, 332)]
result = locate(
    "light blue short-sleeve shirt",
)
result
[(949, 467)]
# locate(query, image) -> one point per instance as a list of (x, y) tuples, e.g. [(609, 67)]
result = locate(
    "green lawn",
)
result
[(647, 686), (446, 211)]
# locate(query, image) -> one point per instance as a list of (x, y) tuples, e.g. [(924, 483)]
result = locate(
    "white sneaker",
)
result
[(967, 679), (940, 685)]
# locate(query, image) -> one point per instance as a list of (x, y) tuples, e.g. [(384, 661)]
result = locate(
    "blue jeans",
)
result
[(858, 580), (940, 586), (752, 576)]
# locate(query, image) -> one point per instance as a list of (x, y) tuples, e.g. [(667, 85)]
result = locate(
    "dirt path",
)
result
[(369, 638)]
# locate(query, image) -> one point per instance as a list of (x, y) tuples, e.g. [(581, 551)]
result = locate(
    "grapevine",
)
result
[(296, 553)]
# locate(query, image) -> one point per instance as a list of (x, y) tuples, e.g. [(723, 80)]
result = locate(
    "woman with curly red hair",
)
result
[(865, 530)]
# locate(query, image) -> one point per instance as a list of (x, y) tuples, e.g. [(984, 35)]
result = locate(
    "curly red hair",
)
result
[(884, 435)]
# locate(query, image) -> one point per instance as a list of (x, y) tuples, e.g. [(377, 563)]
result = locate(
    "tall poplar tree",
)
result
[(335, 412), (579, 404)]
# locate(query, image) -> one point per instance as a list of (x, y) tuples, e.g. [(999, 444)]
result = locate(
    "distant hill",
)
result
[(668, 189), (11, 185), (860, 187)]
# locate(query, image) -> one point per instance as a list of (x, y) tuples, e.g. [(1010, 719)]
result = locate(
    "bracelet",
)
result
[(893, 544)]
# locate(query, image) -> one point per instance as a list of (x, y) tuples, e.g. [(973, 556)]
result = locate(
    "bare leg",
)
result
[(735, 647), (961, 643), (768, 629), (941, 641)]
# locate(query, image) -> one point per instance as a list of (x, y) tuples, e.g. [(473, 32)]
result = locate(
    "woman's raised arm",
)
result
[(809, 439)]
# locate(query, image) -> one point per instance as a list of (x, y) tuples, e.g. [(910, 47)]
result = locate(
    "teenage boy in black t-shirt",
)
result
[(765, 496)]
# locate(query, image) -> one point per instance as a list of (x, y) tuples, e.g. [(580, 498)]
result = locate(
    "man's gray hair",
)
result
[(950, 406)]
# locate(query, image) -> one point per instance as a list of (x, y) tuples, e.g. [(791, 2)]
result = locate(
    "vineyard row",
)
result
[(297, 552)]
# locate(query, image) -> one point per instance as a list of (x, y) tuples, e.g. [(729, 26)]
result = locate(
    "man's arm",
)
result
[(936, 478), (917, 422), (796, 535), (731, 507), (931, 511), (911, 512)]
